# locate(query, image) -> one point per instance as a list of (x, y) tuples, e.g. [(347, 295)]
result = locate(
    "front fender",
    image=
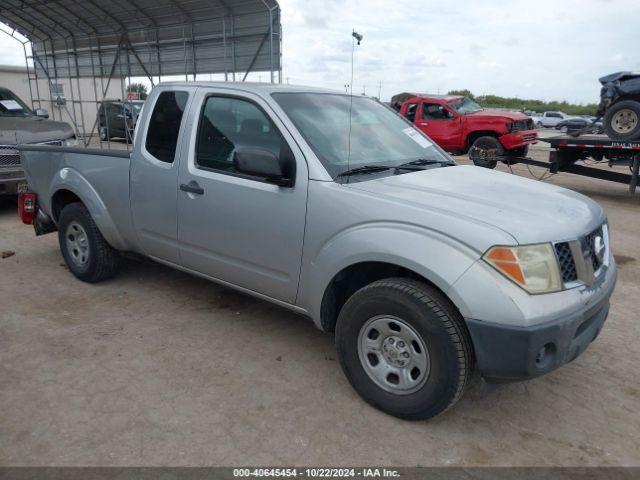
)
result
[(432, 255), (70, 179)]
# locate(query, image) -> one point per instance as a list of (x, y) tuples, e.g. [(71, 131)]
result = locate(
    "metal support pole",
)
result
[(95, 96), (184, 53), (158, 55), (271, 43), (73, 104), (233, 48), (26, 63), (193, 52), (224, 47), (123, 99), (75, 56)]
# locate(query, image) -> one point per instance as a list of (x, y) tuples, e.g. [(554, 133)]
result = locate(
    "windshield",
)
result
[(464, 106), (378, 135), (12, 106)]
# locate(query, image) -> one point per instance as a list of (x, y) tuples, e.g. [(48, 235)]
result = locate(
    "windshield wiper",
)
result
[(365, 169), (414, 165), (424, 161)]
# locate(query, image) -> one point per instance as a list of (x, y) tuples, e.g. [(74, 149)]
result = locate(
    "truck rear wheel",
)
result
[(485, 150), (87, 254), (622, 120), (404, 348)]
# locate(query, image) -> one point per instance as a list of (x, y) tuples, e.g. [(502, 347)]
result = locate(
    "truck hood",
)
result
[(528, 210), (17, 130), (488, 112)]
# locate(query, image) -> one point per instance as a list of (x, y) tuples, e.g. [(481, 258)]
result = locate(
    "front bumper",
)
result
[(509, 353), (519, 139)]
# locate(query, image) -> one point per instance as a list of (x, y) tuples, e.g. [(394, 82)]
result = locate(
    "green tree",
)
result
[(495, 101), (139, 88), (462, 93)]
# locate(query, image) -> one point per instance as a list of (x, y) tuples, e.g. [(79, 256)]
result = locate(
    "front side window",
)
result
[(12, 106), (230, 123), (164, 125), (434, 111), (349, 133)]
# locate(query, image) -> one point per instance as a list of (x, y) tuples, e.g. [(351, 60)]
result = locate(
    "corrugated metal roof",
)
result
[(153, 37)]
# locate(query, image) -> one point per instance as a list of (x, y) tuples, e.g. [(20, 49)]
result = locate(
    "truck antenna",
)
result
[(354, 36)]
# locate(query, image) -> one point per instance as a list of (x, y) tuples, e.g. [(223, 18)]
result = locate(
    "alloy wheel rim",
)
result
[(393, 354), (624, 121), (77, 244)]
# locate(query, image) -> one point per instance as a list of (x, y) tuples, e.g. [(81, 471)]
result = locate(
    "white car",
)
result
[(551, 119)]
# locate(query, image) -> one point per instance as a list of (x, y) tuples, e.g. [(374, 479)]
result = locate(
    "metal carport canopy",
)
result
[(152, 38)]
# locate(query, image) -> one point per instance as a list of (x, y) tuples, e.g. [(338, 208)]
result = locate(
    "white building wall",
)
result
[(16, 80)]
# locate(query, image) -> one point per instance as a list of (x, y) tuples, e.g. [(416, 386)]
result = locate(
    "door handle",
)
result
[(192, 187), (423, 124)]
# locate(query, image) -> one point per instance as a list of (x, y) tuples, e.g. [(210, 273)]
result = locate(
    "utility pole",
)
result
[(379, 89)]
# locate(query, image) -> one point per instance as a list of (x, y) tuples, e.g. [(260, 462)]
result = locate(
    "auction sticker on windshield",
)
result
[(11, 105), (414, 135)]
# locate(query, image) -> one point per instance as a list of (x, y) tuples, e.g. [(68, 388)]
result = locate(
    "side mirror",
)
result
[(259, 162), (41, 112)]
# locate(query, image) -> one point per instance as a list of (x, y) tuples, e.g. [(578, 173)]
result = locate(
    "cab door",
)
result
[(233, 227), (439, 123), (154, 172)]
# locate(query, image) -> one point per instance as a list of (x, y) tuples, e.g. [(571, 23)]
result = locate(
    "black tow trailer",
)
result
[(597, 149)]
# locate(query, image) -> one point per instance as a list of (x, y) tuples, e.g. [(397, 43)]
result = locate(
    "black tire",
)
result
[(101, 260), (611, 119), (104, 134), (434, 318), (484, 150)]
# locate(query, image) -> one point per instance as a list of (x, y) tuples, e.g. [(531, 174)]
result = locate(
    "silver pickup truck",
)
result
[(338, 209)]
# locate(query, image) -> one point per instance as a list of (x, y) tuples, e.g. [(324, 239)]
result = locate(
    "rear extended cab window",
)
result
[(164, 125)]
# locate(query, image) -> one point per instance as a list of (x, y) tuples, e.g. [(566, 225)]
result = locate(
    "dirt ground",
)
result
[(156, 367)]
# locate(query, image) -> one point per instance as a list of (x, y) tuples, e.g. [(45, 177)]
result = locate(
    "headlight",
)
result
[(532, 267), (71, 142)]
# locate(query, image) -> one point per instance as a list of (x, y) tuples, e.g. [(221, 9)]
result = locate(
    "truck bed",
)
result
[(100, 177)]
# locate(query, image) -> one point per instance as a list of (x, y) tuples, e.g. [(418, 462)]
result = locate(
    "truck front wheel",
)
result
[(485, 152), (104, 134), (404, 348), (87, 254), (622, 120)]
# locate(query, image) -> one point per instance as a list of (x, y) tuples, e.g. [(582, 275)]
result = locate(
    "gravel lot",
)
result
[(156, 367)]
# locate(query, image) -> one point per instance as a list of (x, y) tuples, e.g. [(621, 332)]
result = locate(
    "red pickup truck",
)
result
[(459, 125)]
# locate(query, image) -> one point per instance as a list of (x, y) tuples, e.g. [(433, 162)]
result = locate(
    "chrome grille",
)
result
[(578, 259), (565, 260), (520, 125), (590, 250), (10, 157)]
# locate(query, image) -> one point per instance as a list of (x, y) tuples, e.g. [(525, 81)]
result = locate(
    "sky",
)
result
[(545, 49)]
